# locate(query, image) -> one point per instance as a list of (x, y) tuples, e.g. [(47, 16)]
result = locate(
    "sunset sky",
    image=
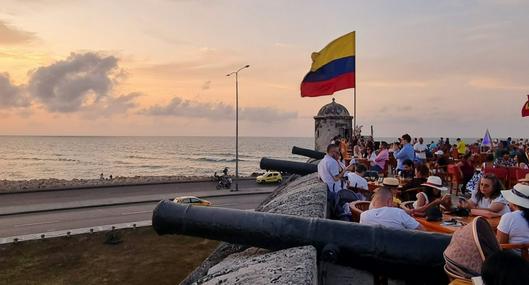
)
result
[(429, 68)]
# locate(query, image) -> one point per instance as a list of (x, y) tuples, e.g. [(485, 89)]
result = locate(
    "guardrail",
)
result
[(67, 233)]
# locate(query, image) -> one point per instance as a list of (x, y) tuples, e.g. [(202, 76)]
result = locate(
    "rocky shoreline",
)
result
[(12, 186)]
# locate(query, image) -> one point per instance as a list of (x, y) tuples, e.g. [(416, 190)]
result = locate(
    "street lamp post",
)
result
[(237, 124)]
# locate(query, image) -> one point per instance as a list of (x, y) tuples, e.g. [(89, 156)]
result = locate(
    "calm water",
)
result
[(28, 157)]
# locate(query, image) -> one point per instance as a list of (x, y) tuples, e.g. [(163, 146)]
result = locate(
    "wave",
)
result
[(142, 157), (151, 166), (213, 159), (45, 159)]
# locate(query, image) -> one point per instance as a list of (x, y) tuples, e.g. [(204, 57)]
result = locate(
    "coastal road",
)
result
[(34, 223), (115, 193)]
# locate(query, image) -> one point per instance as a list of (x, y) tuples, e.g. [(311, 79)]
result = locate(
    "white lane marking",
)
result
[(35, 224), (133, 213)]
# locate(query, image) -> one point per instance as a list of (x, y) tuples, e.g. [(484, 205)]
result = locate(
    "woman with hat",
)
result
[(514, 226), (488, 196), (430, 196)]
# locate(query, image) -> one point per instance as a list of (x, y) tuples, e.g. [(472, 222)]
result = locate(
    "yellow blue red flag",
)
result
[(525, 108), (333, 68)]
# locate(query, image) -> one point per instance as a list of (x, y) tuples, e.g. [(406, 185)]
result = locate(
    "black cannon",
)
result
[(292, 167), (308, 152), (398, 253)]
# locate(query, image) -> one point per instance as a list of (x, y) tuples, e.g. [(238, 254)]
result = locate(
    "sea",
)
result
[(86, 157)]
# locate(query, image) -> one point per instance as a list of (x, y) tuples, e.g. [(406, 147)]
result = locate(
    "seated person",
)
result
[(505, 160), (488, 196), (357, 182), (421, 173), (392, 184), (383, 213), (504, 267), (520, 161), (514, 226), (407, 169), (430, 196)]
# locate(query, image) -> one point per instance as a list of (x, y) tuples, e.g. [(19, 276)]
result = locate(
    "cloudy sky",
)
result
[(158, 67)]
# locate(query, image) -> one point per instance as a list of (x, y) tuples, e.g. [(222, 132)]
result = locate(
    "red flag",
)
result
[(525, 108)]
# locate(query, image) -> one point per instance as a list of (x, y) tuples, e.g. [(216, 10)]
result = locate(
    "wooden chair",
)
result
[(453, 177), (521, 173), (511, 181), (523, 247), (501, 172), (357, 208)]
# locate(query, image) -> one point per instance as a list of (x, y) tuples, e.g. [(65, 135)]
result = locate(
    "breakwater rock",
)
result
[(52, 183)]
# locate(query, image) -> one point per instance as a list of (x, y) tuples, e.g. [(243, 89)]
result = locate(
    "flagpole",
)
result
[(354, 94), (354, 110)]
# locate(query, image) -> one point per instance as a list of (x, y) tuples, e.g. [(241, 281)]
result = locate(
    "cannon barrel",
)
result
[(308, 152), (399, 251), (293, 167)]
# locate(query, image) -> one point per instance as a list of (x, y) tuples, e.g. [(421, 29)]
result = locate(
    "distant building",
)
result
[(332, 120)]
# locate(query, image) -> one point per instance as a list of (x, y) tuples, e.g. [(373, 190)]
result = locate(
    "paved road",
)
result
[(65, 196), (15, 225)]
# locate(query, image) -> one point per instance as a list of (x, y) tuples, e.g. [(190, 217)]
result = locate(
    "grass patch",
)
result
[(142, 258)]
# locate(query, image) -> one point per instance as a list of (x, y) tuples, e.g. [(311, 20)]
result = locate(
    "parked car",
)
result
[(269, 177), (192, 200)]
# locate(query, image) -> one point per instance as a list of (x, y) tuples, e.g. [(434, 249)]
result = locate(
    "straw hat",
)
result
[(526, 179), (435, 182), (469, 247), (519, 195), (390, 182)]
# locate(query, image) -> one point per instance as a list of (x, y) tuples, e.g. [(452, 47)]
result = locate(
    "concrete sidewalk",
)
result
[(36, 208)]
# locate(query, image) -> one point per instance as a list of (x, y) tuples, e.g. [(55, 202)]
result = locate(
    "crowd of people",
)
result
[(411, 170)]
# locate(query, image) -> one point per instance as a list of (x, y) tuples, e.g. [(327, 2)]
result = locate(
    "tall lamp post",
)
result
[(237, 124)]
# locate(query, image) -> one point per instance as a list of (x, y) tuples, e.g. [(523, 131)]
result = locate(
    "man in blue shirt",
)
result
[(406, 152)]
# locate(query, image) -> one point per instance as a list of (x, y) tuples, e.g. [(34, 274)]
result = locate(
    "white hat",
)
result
[(439, 152), (435, 182), (390, 182), (519, 195)]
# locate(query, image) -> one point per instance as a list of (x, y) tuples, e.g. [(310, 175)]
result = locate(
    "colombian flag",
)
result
[(525, 108), (333, 68)]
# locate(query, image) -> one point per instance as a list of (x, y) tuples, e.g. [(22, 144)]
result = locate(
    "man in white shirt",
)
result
[(382, 213), (356, 179), (329, 169), (357, 182), (420, 150)]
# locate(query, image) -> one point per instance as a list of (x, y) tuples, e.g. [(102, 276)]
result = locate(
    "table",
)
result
[(439, 227)]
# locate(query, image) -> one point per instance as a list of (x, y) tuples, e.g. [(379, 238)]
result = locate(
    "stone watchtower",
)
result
[(332, 120)]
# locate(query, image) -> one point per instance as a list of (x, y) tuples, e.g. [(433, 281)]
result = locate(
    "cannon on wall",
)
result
[(292, 167), (399, 253), (308, 152)]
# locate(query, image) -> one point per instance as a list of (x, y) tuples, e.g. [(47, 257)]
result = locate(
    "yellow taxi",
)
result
[(192, 200), (269, 177)]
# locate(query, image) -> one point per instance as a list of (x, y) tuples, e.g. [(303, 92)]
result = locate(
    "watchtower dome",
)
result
[(332, 120)]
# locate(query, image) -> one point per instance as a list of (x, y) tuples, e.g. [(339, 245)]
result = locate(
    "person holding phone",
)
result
[(488, 197)]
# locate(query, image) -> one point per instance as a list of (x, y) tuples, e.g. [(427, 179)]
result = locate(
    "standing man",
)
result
[(382, 158), (420, 151), (461, 147), (405, 152), (330, 171)]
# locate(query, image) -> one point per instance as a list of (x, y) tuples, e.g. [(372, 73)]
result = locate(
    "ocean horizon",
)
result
[(86, 157)]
